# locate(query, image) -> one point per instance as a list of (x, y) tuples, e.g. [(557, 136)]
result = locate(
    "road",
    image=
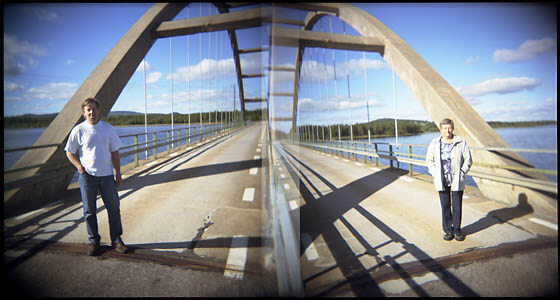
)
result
[(203, 205), (375, 231), (196, 221)]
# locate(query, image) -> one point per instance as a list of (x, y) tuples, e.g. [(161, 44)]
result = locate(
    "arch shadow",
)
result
[(317, 217), (500, 216)]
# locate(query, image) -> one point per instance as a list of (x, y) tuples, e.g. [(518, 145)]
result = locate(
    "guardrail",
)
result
[(371, 150), (284, 231), (207, 131)]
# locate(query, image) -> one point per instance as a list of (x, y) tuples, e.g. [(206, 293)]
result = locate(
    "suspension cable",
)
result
[(189, 76), (367, 94), (395, 112), (145, 109), (171, 79), (200, 77), (335, 85), (326, 80), (209, 77), (348, 84)]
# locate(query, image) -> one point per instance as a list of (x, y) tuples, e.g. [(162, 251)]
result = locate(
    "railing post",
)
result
[(365, 151), (179, 138), (410, 156), (155, 145), (168, 148), (136, 148), (377, 155), (391, 155)]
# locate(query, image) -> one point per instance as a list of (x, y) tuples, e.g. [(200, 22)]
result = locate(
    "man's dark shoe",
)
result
[(93, 249), (459, 236), (120, 247), (448, 236)]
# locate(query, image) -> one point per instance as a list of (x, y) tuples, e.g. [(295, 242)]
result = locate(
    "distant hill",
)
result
[(123, 113), (378, 127)]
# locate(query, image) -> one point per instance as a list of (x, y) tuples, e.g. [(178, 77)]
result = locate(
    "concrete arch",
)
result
[(222, 8), (440, 101), (105, 83)]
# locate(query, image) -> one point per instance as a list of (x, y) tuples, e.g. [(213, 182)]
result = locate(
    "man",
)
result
[(91, 147), (448, 159)]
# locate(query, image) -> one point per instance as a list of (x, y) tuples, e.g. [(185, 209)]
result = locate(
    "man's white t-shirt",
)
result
[(94, 144)]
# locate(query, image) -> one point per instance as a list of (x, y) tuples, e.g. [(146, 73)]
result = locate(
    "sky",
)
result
[(501, 58)]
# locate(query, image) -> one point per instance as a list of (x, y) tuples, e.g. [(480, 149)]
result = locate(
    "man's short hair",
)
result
[(445, 122), (89, 101)]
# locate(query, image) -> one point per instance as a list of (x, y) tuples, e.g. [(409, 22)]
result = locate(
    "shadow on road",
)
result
[(317, 217), (500, 216)]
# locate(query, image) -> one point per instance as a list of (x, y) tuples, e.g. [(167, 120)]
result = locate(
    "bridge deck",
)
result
[(197, 204), (365, 231), (359, 222)]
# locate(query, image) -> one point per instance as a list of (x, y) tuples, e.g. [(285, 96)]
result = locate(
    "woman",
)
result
[(448, 159)]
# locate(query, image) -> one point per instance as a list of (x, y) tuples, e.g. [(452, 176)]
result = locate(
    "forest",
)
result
[(126, 119), (386, 128)]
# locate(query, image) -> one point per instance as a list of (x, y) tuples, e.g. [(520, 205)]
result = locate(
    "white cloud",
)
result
[(153, 77), (11, 87), (528, 50), (45, 15), (520, 110), (311, 105), (70, 61), (471, 60), (356, 66), (140, 68), (14, 98), (315, 71), (19, 54), (52, 91), (499, 86), (210, 68)]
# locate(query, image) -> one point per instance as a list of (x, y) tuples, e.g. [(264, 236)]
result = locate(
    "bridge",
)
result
[(240, 208)]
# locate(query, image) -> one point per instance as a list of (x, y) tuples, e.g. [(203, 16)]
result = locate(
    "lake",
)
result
[(543, 137), (15, 138)]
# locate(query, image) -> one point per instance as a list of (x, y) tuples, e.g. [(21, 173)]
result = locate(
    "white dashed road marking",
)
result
[(293, 204), (237, 257), (544, 223), (249, 194), (311, 251)]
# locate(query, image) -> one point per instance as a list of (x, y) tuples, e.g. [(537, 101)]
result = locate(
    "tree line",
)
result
[(386, 128), (42, 121), (378, 128)]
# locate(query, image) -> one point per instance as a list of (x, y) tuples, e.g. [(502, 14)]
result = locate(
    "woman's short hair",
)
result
[(446, 121), (89, 101)]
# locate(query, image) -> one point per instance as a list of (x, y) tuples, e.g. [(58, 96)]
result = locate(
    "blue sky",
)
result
[(500, 57)]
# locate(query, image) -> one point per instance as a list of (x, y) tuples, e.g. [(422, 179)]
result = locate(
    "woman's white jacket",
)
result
[(460, 163)]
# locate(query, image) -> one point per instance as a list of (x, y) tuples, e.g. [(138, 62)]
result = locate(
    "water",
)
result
[(543, 137), (15, 138)]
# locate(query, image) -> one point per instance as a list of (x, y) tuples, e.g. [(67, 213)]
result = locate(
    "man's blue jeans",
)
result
[(451, 209), (88, 188)]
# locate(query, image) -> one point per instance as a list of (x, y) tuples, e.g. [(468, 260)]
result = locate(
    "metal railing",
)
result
[(200, 134), (371, 150)]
